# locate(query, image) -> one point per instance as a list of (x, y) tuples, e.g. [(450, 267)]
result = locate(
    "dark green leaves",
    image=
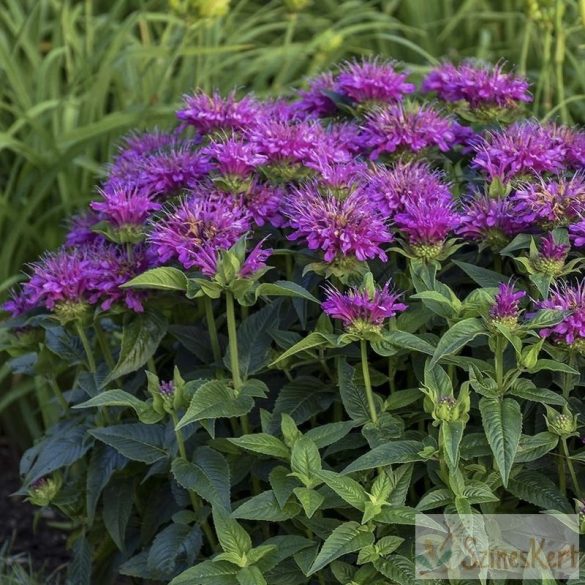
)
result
[(135, 441), (458, 337), (388, 454), (162, 278), (502, 423)]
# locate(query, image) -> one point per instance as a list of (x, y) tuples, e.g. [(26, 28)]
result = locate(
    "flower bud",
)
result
[(564, 425), (297, 5), (43, 490)]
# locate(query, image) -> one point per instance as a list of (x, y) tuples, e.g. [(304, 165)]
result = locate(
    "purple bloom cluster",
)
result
[(506, 307), (361, 310), (340, 170), (571, 330), (477, 84)]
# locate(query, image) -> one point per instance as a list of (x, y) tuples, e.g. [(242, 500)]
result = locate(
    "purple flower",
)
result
[(373, 80), (19, 303), (123, 206), (167, 389), (551, 202), (571, 330), (212, 113), (575, 146), (577, 234), (414, 128), (197, 229), (135, 146), (65, 277), (551, 256), (347, 137), (314, 100), (263, 203), (234, 157), (255, 260), (477, 84), (361, 310), (506, 307), (339, 227), (393, 188), (339, 178), (81, 232), (489, 220), (113, 266), (524, 148), (426, 225)]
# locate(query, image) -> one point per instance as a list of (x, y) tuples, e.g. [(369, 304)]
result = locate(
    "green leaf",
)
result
[(537, 489), (284, 288), (544, 318), (282, 484), (353, 395), (136, 441), (115, 398), (79, 569), (162, 278), (312, 340), (208, 573), (396, 341), (215, 399), (305, 460), (346, 488), (264, 444), (452, 433), (346, 538), (250, 576), (502, 423), (169, 544), (208, 476), (485, 278), (265, 507), (310, 499), (542, 395), (329, 434), (534, 447), (117, 508), (140, 339), (397, 568), (232, 537), (402, 398), (388, 454), (458, 337)]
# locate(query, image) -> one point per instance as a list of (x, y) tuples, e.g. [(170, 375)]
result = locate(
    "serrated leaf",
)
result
[(114, 398), (458, 337), (282, 484), (135, 441), (140, 339), (305, 458), (312, 341), (537, 489), (534, 447), (310, 499), (265, 507), (169, 544), (208, 475), (396, 341), (388, 454), (117, 509), (208, 573), (262, 443), (346, 488), (161, 278), (397, 568), (346, 538), (284, 288), (502, 423), (328, 434), (452, 433), (232, 537), (353, 395), (215, 399), (482, 276)]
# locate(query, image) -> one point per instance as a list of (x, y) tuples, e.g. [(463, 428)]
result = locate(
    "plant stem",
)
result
[(367, 381), (106, 350), (499, 362), (58, 393), (562, 478), (86, 347), (233, 341), (571, 468)]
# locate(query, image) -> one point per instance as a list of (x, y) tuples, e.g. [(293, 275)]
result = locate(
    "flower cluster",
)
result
[(341, 189)]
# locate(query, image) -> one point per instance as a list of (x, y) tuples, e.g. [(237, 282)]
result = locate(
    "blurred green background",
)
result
[(77, 74)]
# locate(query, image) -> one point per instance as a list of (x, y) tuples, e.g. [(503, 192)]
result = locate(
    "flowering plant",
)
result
[(285, 327)]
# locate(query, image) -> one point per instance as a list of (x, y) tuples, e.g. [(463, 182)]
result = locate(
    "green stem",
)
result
[(367, 381), (212, 330), (104, 346), (499, 362), (571, 468), (233, 341), (562, 477), (86, 347), (58, 393)]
